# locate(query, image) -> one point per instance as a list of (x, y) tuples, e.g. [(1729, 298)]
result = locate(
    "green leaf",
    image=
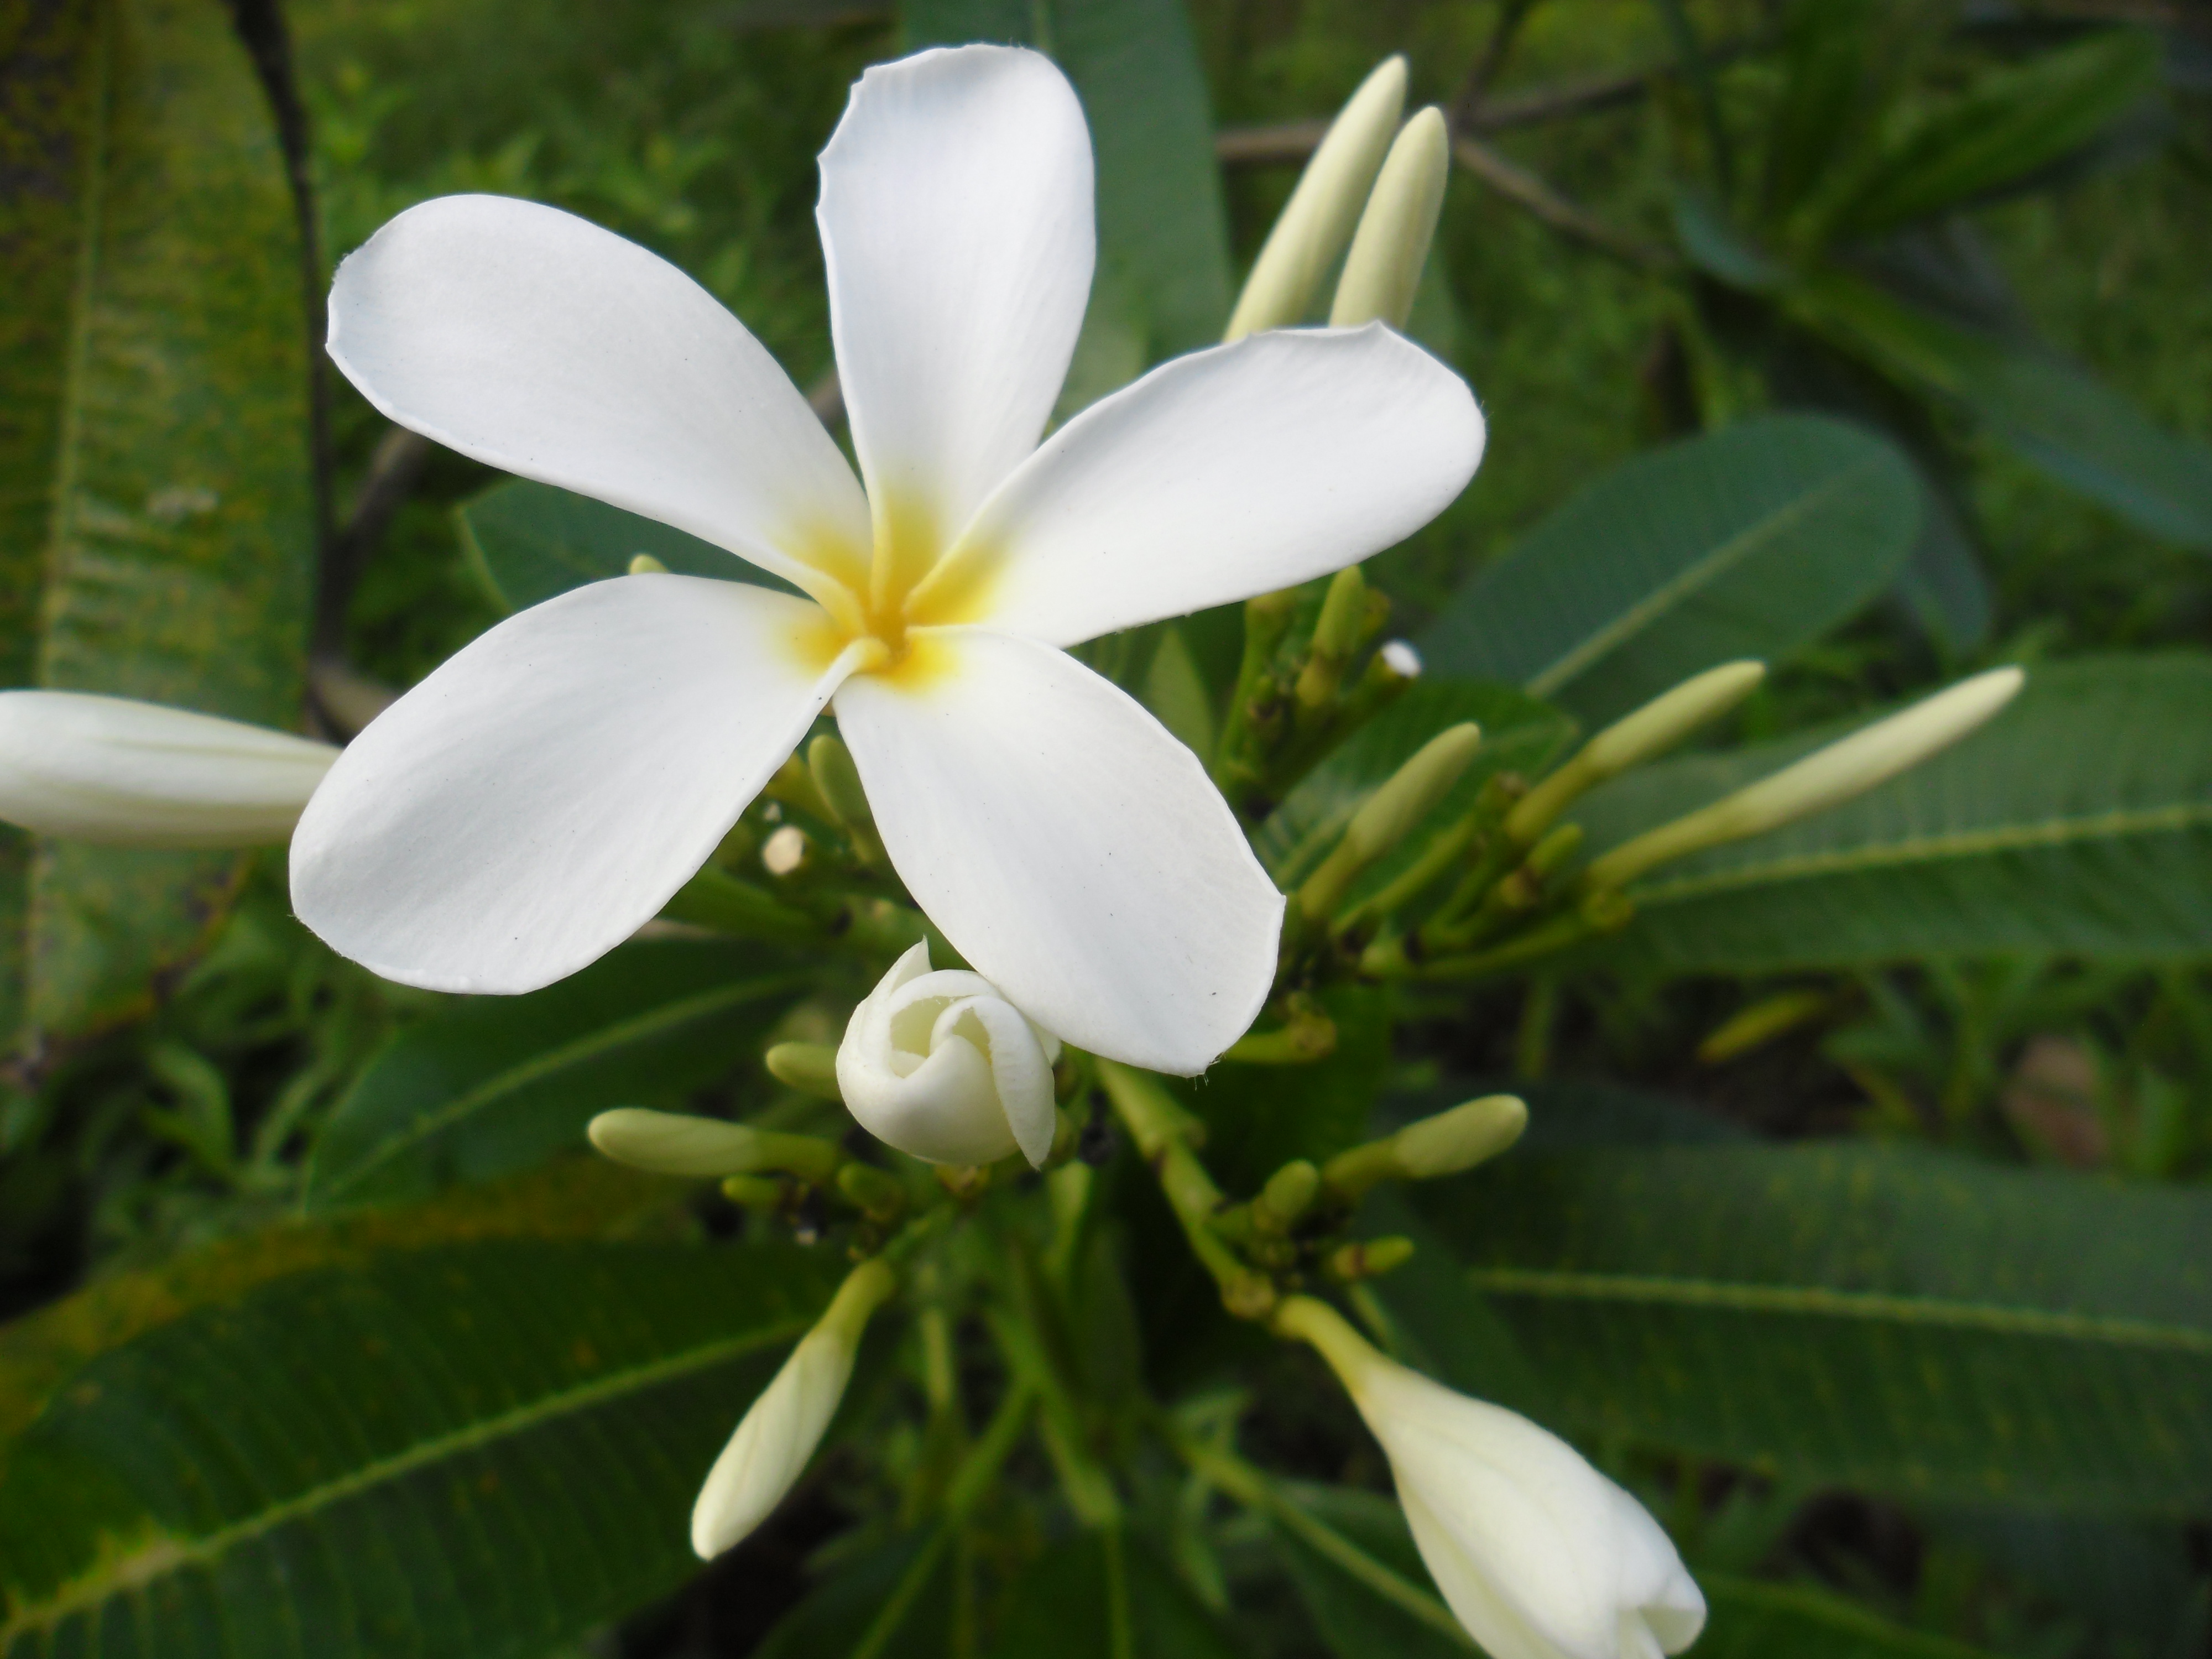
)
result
[(1749, 542), (493, 1085), (1103, 1595), (1751, 1620), (1905, 1322), (1518, 735), (473, 1450), (154, 470), (2012, 124), (1163, 283), (2079, 821), (2073, 427), (1349, 1616), (529, 541), (571, 1198)]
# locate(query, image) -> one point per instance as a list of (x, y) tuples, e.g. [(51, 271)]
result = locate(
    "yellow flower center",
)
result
[(885, 598)]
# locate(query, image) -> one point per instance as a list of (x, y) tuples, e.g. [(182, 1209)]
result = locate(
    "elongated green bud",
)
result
[(1368, 1258), (1443, 1145), (678, 1143), (1289, 1191), (1460, 1139), (644, 564), (878, 1193), (838, 780), (1389, 814), (1318, 219), (808, 1067), (1634, 738), (1392, 243), (1824, 778)]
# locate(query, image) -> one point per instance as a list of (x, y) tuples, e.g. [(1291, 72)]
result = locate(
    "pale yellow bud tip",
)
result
[(1317, 220), (1413, 791), (1460, 1139), (672, 1143), (1392, 243), (644, 564)]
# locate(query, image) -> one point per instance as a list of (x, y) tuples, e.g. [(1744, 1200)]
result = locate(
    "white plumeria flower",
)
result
[(543, 792), (779, 1433), (107, 769), (1538, 1555), (942, 1065)]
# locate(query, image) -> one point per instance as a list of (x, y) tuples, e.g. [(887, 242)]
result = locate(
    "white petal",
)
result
[(1020, 1075), (955, 219), (1224, 474), (1070, 848), (141, 775), (537, 342), (522, 811)]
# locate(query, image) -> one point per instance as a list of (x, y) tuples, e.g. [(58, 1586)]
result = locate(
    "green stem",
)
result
[(1252, 1488), (1164, 1132)]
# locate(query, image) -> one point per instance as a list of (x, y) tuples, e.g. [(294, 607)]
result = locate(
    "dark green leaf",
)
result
[(154, 470), (2079, 821), (833, 1616), (474, 1450), (1102, 1596), (2012, 125), (530, 541), (493, 1085), (1750, 542), (1259, 1117), (2074, 427), (1895, 1319), (1752, 1621)]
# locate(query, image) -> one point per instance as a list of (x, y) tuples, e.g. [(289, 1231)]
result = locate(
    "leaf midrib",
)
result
[(171, 1555), (603, 1040), (1996, 1318), (1932, 849), (1701, 574)]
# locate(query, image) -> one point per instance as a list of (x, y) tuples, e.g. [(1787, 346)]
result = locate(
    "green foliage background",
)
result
[(1862, 1229)]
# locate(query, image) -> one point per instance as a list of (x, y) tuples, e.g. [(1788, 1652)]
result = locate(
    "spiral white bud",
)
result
[(940, 1065)]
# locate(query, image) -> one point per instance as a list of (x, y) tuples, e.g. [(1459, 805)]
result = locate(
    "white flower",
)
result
[(779, 1433), (143, 774), (543, 792), (1538, 1555), (942, 1065)]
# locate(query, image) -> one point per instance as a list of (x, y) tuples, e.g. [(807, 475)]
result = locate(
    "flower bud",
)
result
[(839, 780), (644, 564), (1636, 737), (130, 774), (1824, 778), (1537, 1554), (940, 1065), (1388, 815), (769, 1451), (1392, 243), (1318, 219), (1459, 1139), (784, 852), (678, 1143)]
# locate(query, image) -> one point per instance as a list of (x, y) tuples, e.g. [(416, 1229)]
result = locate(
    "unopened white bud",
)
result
[(1642, 735), (1460, 1139), (127, 774), (772, 1446), (1824, 778), (674, 1143), (1392, 243), (940, 1065), (784, 851), (1401, 658), (1537, 1554), (1318, 219)]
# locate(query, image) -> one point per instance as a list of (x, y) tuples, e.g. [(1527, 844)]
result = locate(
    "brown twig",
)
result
[(393, 469), (1523, 188), (1474, 91)]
